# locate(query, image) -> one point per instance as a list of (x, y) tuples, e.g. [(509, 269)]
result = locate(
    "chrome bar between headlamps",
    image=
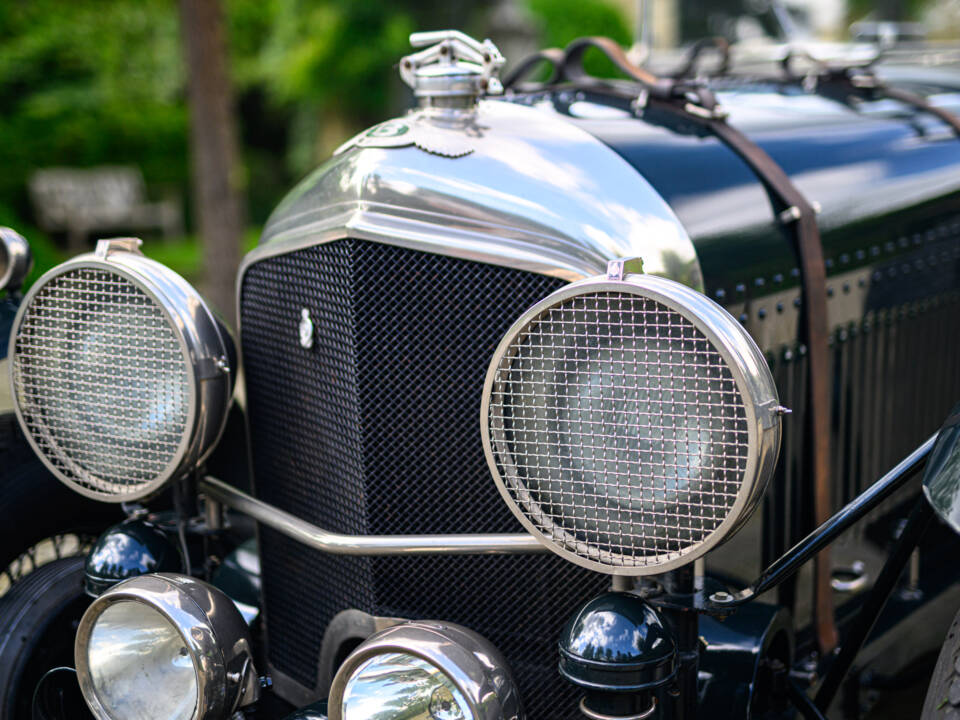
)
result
[(336, 544)]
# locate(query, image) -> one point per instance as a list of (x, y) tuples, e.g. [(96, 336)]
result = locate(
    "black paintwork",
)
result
[(876, 176), (619, 651), (8, 311), (738, 660), (888, 189), (617, 641), (317, 711), (127, 550), (887, 179)]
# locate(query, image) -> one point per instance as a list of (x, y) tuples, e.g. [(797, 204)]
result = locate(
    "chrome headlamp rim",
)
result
[(203, 346), (742, 357), (453, 650), (161, 594), (19, 259)]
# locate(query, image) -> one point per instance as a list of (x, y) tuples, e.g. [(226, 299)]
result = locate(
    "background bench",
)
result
[(83, 202)]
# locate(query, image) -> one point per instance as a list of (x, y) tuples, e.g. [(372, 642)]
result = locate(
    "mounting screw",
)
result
[(721, 597)]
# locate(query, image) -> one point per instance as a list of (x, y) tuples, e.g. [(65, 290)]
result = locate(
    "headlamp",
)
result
[(424, 669), (630, 423), (120, 373), (164, 646)]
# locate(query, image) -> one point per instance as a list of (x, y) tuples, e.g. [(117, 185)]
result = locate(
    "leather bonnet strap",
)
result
[(696, 103)]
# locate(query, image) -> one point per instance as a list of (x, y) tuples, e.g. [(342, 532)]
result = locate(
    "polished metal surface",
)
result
[(535, 193), (630, 425), (15, 259), (473, 666), (119, 373), (211, 632), (453, 65), (398, 686), (941, 479), (306, 329), (648, 713), (139, 666), (337, 544)]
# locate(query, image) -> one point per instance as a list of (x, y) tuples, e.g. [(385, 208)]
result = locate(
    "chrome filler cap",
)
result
[(452, 69)]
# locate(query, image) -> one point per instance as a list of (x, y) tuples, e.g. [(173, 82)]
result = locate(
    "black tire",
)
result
[(943, 694), (34, 505), (38, 620)]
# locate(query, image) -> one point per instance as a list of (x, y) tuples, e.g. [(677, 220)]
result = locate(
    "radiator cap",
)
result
[(452, 65)]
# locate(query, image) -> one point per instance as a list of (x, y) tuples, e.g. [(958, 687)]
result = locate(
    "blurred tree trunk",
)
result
[(217, 177)]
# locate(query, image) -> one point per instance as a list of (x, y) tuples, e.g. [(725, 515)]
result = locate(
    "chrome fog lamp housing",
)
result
[(630, 423), (120, 373), (15, 259), (428, 669), (165, 646)]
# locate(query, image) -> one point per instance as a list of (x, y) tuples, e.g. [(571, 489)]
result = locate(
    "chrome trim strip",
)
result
[(336, 544)]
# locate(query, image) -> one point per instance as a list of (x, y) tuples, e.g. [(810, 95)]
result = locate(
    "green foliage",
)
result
[(184, 255), (95, 82), (898, 10), (86, 83), (566, 20)]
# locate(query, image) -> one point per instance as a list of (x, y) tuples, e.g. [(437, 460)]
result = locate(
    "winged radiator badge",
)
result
[(941, 479), (452, 142)]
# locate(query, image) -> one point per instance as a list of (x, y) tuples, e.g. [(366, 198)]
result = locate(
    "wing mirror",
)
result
[(941, 479), (15, 259)]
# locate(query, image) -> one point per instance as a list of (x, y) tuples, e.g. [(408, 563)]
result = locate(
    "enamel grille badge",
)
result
[(306, 330)]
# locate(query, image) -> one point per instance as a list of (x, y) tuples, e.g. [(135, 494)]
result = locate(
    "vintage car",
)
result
[(575, 398)]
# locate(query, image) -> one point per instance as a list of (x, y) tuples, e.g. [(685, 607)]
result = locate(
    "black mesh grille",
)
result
[(376, 431)]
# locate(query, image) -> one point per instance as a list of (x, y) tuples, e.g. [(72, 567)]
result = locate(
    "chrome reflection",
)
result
[(15, 259), (140, 666), (397, 686), (425, 670), (164, 646), (537, 193)]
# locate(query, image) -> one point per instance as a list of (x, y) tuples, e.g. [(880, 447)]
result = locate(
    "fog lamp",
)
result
[(424, 669), (165, 646), (120, 373)]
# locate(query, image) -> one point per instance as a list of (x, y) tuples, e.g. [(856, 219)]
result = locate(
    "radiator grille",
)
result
[(375, 430)]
